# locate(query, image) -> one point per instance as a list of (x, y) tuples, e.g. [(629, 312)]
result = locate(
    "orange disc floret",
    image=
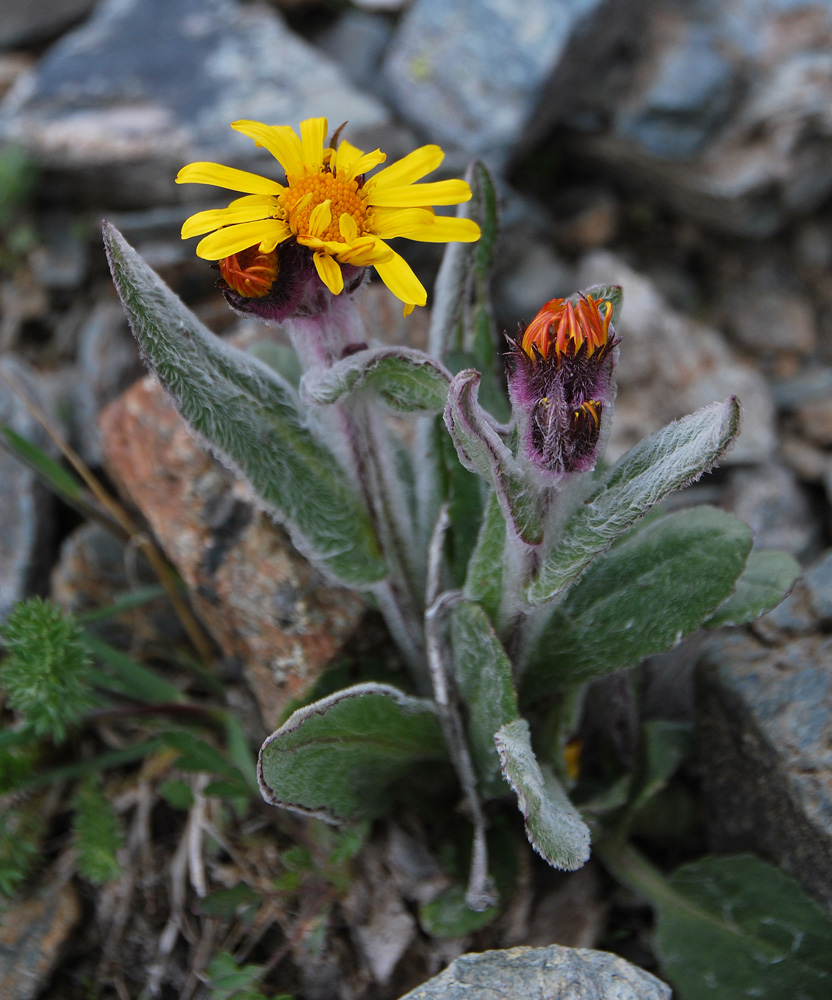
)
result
[(563, 327), (250, 273)]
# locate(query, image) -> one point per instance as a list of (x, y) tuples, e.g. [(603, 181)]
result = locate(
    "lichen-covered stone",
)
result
[(117, 106), (552, 973)]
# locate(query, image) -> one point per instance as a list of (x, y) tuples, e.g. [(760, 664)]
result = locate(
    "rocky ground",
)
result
[(682, 150)]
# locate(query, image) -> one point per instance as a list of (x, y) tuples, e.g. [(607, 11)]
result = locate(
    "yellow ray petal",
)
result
[(410, 168), (365, 251), (348, 227), (390, 222), (283, 232), (444, 229), (280, 140), (233, 239), (450, 192), (227, 177), (312, 137), (329, 272), (206, 222), (396, 273), (320, 218), (351, 161)]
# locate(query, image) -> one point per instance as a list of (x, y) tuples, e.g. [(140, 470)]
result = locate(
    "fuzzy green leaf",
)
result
[(662, 463), (249, 416), (408, 381), (762, 585), (337, 758), (553, 825), (484, 580), (651, 588), (483, 677), (738, 927)]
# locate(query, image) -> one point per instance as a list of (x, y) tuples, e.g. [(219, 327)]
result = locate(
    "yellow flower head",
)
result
[(328, 206)]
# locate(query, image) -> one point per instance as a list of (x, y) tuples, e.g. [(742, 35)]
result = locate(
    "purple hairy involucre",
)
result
[(561, 403), (297, 290)]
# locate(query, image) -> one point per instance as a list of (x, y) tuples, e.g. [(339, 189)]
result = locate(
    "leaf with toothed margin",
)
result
[(337, 758), (553, 825), (480, 450), (408, 381), (249, 416), (667, 460)]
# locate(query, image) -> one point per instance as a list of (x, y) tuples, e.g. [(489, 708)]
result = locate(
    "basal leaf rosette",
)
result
[(283, 246)]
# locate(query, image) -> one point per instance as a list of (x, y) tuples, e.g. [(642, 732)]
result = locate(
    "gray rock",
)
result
[(776, 508), (36, 931), (61, 263), (818, 582), (552, 973), (492, 76), (107, 363), (93, 569), (25, 23), (671, 365), (118, 105), (26, 527), (769, 321), (357, 42), (764, 731), (534, 275), (725, 115)]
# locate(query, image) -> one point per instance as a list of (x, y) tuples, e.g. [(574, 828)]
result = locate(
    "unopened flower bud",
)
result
[(560, 384)]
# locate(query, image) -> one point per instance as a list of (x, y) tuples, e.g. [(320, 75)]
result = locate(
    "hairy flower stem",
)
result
[(480, 893), (353, 428)]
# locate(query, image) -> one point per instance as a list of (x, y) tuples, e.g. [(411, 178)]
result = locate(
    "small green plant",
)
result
[(512, 570), (46, 674), (97, 833)]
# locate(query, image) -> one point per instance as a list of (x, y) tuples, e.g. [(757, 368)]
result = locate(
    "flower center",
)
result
[(304, 194)]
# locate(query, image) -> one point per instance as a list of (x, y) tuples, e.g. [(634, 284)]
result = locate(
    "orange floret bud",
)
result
[(250, 273), (562, 327)]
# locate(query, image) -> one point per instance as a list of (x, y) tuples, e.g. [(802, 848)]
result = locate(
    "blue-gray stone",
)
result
[(687, 98), (553, 973), (357, 42), (26, 508), (118, 105), (764, 733), (25, 23), (724, 113), (493, 75), (818, 582)]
